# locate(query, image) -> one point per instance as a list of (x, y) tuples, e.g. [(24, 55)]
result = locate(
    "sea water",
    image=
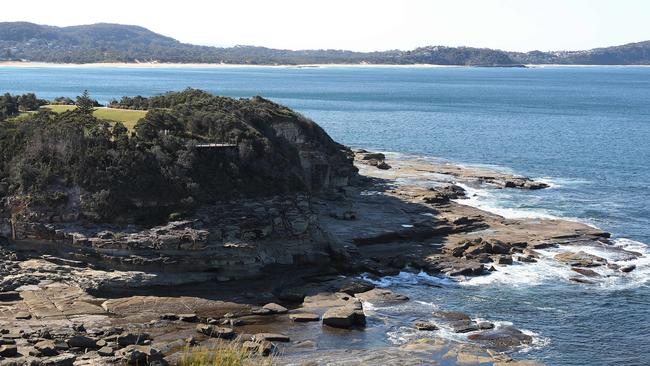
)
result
[(584, 130)]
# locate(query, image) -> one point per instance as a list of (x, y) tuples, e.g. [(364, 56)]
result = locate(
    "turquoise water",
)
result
[(585, 130)]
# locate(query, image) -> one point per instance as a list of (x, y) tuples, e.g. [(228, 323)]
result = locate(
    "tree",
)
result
[(84, 104), (8, 106)]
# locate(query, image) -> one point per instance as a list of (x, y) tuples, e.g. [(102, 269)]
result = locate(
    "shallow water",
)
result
[(584, 130)]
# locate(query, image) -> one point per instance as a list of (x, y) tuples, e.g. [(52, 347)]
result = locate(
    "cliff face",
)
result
[(204, 184)]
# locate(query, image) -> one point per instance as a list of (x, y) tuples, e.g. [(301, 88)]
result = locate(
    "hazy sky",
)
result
[(362, 24)]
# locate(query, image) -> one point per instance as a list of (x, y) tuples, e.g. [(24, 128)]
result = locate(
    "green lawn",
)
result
[(127, 116)]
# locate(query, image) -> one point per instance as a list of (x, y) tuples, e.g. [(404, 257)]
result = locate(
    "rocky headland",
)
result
[(279, 273)]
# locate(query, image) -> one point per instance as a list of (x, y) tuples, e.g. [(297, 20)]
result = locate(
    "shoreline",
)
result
[(389, 227), (20, 64)]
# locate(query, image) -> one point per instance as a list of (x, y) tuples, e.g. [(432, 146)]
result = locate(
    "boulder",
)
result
[(275, 308), (426, 326), (628, 269), (357, 286), (304, 317), (46, 348), (106, 351), (215, 331), (373, 156), (466, 268), (580, 259), (452, 315), (128, 339), (81, 342), (464, 326), (503, 259), (344, 317), (139, 355), (263, 348), (8, 350), (502, 338)]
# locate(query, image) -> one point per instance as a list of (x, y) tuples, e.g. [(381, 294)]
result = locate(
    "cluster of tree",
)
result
[(122, 43), (72, 159), (11, 105)]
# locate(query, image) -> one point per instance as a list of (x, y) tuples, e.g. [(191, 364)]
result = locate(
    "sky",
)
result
[(362, 25)]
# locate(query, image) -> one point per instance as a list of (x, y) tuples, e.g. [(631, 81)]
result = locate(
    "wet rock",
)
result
[(628, 269), (580, 259), (464, 326), (275, 308), (502, 338), (271, 337), (8, 350), (426, 326), (378, 295), (304, 317), (344, 317), (582, 280), (503, 259), (452, 315), (373, 156), (46, 348), (467, 268), (355, 287), (485, 325), (215, 331), (526, 259), (383, 165), (586, 272), (81, 342)]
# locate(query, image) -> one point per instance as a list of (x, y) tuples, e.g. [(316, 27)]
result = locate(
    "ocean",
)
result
[(584, 130)]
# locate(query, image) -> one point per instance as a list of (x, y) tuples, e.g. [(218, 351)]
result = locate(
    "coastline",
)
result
[(393, 227), (19, 64)]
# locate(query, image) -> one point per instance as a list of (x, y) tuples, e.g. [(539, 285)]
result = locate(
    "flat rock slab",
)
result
[(271, 337), (304, 317), (155, 305), (344, 317), (60, 301), (378, 295)]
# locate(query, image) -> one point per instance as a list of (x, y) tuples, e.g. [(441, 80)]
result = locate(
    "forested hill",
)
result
[(126, 43)]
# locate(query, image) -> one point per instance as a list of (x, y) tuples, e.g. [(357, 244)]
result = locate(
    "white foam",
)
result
[(486, 200), (409, 278), (548, 270)]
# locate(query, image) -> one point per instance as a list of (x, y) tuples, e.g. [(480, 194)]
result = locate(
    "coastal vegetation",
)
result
[(132, 44), (188, 149)]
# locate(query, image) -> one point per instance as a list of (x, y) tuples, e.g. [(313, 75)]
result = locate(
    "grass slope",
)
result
[(126, 116)]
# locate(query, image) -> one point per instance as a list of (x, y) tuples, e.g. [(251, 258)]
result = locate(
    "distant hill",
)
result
[(126, 43)]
